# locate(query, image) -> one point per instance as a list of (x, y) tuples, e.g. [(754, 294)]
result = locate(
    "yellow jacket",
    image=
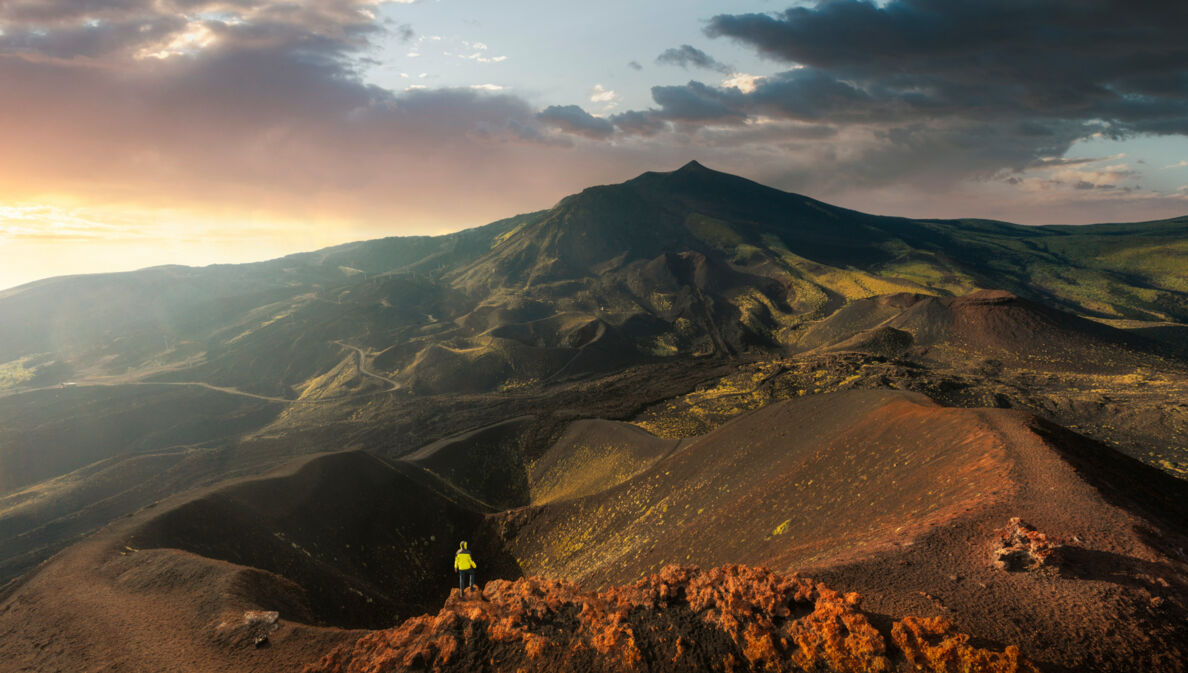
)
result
[(462, 560)]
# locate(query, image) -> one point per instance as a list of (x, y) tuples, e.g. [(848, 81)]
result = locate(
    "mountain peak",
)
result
[(694, 180)]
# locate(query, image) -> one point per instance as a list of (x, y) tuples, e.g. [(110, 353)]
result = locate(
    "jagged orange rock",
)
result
[(931, 644), (835, 635), (731, 618), (1022, 547)]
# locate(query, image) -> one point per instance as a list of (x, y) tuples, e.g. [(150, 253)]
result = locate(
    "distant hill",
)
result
[(691, 262), (989, 323)]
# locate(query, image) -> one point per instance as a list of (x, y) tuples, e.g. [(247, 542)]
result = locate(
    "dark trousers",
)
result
[(463, 576)]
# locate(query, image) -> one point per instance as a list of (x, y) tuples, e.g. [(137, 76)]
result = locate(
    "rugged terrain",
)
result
[(732, 618), (681, 383)]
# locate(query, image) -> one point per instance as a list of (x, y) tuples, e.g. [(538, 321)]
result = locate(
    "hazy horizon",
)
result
[(211, 253), (210, 132)]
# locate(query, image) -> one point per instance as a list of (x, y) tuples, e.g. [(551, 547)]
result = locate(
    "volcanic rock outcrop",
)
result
[(1022, 547), (731, 618)]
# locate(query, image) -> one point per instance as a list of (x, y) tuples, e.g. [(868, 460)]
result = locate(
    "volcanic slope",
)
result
[(343, 540), (228, 325), (689, 262), (598, 306), (593, 455), (359, 534), (890, 495), (987, 348), (72, 460), (988, 324), (880, 492), (49, 433)]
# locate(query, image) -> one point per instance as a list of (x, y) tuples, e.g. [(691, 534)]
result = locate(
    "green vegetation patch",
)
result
[(930, 273), (14, 373), (1162, 263), (507, 234), (715, 232)]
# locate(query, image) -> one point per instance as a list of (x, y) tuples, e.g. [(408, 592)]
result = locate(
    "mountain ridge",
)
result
[(242, 465), (691, 261)]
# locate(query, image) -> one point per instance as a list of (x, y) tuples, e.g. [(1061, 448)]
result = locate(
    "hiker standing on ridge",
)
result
[(465, 566)]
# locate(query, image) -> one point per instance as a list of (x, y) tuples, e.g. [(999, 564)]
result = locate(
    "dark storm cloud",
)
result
[(809, 95), (193, 60), (805, 95), (638, 123), (1123, 62), (936, 91), (936, 152), (575, 120), (696, 102), (687, 55)]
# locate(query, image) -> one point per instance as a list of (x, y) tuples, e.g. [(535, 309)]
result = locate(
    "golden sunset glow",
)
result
[(210, 130), (39, 239)]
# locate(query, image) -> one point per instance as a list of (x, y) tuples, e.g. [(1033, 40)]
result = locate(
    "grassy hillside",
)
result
[(691, 262)]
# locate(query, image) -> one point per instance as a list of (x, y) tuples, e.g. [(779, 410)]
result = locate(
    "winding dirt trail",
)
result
[(394, 385), (114, 384)]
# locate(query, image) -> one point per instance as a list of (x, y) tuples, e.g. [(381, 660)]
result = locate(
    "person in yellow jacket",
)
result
[(465, 565)]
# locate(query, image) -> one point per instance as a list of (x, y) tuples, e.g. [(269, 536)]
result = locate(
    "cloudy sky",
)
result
[(141, 132)]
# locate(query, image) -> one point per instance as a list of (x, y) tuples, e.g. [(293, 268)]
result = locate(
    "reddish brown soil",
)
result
[(879, 493), (732, 618), (1114, 599), (903, 501), (101, 607), (793, 485)]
